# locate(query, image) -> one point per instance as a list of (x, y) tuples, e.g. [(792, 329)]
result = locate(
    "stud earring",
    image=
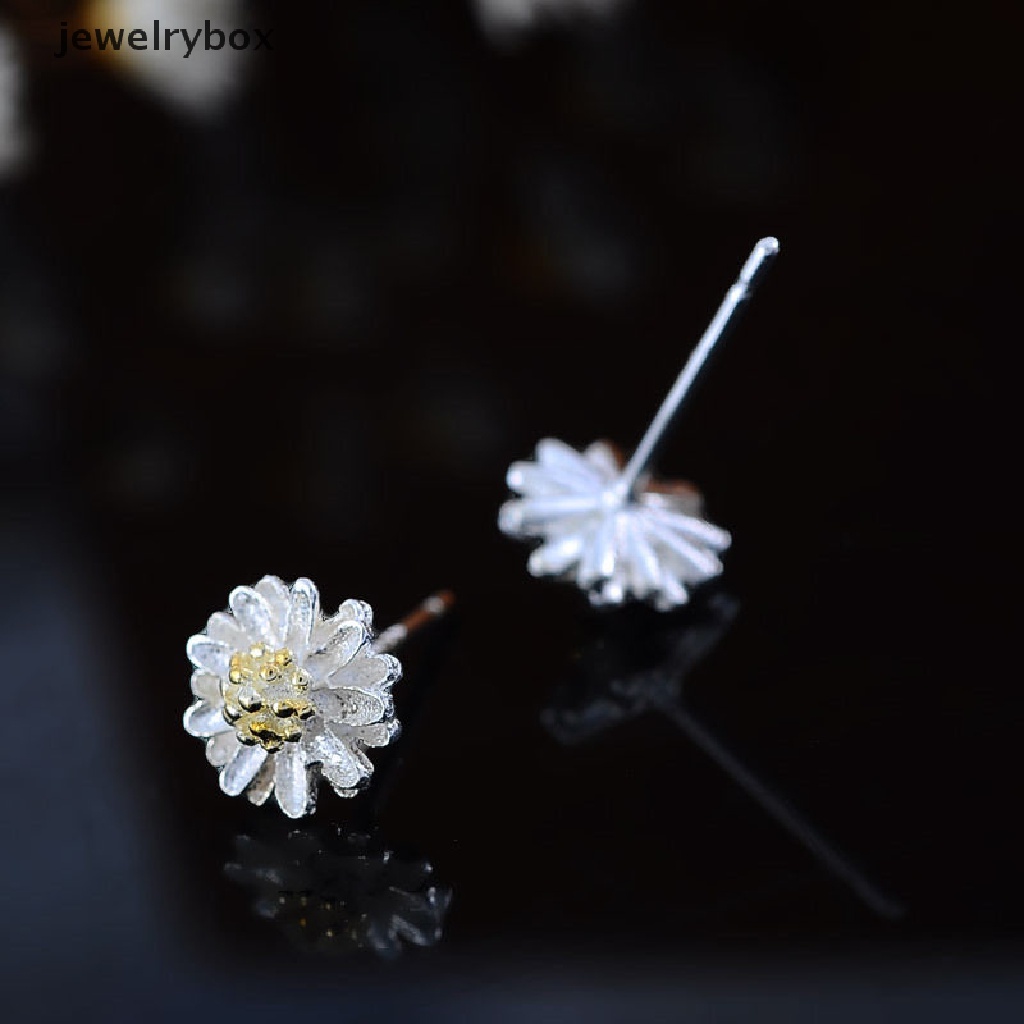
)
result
[(285, 694), (610, 528)]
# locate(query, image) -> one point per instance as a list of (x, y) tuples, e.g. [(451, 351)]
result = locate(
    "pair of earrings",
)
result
[(286, 695)]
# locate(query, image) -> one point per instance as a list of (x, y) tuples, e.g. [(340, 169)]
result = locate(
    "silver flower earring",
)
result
[(285, 694), (609, 528)]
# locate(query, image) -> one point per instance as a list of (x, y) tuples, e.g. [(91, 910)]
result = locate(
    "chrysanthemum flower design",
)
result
[(614, 546), (285, 694)]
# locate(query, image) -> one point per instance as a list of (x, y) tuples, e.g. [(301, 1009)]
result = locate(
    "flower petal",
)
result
[(338, 778), (602, 457), (222, 748), (241, 769), (373, 672), (672, 594), (568, 466), (380, 734), (224, 628), (208, 654), (357, 611), (291, 780), (597, 559), (303, 611), (698, 530), (349, 707), (701, 562), (342, 766), (262, 785), (535, 516), (204, 719), (532, 481), (254, 614), (275, 592), (338, 650), (645, 573), (556, 556), (349, 611), (206, 686), (326, 628)]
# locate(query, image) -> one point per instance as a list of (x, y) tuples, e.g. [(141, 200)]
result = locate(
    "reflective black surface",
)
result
[(308, 337)]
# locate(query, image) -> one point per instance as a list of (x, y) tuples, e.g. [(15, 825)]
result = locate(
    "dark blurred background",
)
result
[(295, 312)]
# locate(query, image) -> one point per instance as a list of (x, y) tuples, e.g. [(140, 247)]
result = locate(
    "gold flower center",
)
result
[(265, 697)]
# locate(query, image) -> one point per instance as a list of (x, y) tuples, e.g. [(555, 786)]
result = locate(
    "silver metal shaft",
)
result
[(758, 260)]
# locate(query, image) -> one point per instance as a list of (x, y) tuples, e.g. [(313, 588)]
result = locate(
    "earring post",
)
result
[(427, 611), (743, 287)]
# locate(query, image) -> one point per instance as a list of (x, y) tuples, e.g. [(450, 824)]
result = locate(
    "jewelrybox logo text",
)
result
[(142, 39)]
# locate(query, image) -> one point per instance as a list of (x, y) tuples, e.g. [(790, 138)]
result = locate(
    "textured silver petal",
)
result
[(672, 593), (373, 672), (324, 629), (253, 613), (350, 707), (535, 482), (242, 769), (206, 686), (337, 778), (275, 592), (338, 651), (357, 611), (203, 719), (697, 530), (222, 748), (259, 790), (534, 516), (702, 561), (303, 611), (291, 780), (380, 734), (225, 629), (343, 766), (510, 519), (351, 611), (603, 458), (554, 557), (566, 465), (645, 575), (597, 560), (208, 655)]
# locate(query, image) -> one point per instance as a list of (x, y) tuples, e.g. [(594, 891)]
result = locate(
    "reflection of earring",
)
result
[(337, 892), (634, 666), (605, 526), (285, 694), (634, 663)]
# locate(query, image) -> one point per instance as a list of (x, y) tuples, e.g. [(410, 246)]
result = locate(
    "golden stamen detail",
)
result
[(264, 697)]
